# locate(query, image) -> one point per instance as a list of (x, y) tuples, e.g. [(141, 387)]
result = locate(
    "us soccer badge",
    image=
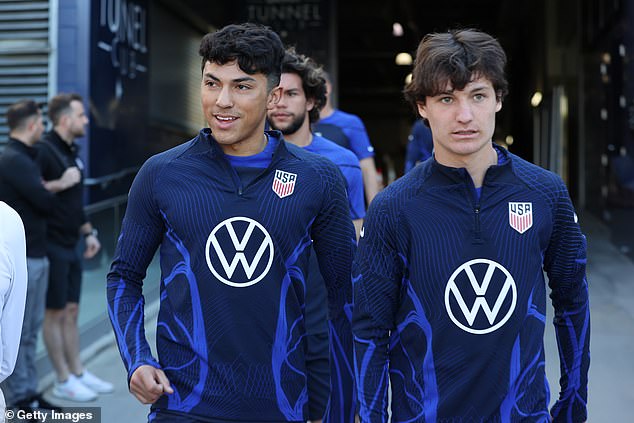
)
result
[(284, 183), (521, 216)]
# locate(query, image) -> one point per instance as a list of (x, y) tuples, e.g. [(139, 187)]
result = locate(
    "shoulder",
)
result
[(163, 158), (409, 186), (535, 177), (313, 165), (346, 119), (338, 154), (13, 228)]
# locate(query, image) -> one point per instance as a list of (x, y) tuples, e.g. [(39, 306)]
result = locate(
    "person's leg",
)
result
[(71, 326), (54, 316), (70, 334), (62, 265), (54, 341), (21, 385)]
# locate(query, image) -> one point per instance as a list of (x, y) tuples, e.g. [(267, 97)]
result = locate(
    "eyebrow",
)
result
[(473, 90), (237, 80)]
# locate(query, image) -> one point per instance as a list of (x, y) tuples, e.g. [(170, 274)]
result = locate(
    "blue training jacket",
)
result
[(230, 333), (450, 297)]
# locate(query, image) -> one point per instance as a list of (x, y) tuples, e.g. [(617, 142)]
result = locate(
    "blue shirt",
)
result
[(230, 334), (420, 145), (450, 297), (348, 131), (348, 164)]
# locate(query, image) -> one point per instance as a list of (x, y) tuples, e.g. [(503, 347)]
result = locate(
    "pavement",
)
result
[(611, 379)]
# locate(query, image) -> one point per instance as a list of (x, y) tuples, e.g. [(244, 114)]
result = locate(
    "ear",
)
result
[(310, 104), (422, 109), (274, 97), (498, 105)]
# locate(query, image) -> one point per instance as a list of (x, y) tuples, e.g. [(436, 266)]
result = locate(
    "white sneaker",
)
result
[(74, 390), (95, 384)]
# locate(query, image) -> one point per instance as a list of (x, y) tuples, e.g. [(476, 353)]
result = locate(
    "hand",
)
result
[(92, 246), (148, 383), (70, 177)]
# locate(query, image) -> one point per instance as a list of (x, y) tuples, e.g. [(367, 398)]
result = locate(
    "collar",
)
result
[(206, 138), (502, 172), (18, 145), (58, 141)]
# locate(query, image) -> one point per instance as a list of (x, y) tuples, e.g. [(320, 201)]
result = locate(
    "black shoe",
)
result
[(37, 401)]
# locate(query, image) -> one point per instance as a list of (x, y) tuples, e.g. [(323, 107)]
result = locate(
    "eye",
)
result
[(446, 100), (243, 87), (211, 83), (479, 97)]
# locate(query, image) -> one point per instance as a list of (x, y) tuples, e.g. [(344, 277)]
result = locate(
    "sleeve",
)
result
[(25, 177), (140, 236), (13, 285), (376, 274), (565, 264), (335, 242), (354, 185), (412, 156), (420, 145), (359, 139)]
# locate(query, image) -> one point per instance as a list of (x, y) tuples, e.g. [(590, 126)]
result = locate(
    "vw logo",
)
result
[(480, 285), (252, 252)]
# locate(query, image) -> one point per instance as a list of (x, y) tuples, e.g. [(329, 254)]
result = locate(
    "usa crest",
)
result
[(284, 183), (521, 216)]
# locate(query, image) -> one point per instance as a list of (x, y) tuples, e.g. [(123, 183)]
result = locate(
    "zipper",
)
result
[(478, 229)]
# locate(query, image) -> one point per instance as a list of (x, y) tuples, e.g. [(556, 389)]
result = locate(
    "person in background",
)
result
[(13, 284), (449, 289), (234, 212), (348, 131), (420, 145), (303, 95), (67, 224), (21, 187)]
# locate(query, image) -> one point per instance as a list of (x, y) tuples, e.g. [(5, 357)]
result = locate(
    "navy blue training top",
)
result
[(450, 297), (233, 255)]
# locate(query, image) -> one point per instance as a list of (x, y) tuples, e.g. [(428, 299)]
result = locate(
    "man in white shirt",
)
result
[(12, 291)]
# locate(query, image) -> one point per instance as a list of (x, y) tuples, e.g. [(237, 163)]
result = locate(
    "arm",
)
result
[(334, 241), (90, 237), (376, 275), (362, 148), (370, 178), (140, 236), (23, 175), (565, 264), (354, 187), (13, 284), (70, 178)]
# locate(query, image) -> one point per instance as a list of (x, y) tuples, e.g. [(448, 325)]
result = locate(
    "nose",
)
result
[(224, 98), (465, 114), (281, 104)]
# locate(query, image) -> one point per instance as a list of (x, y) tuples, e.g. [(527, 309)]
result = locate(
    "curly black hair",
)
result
[(256, 48), (313, 79)]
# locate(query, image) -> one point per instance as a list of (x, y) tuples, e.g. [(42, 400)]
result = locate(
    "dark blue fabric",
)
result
[(234, 255), (420, 145), (352, 127), (453, 295)]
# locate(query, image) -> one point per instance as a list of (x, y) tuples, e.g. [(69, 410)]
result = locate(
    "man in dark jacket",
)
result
[(21, 187), (66, 224)]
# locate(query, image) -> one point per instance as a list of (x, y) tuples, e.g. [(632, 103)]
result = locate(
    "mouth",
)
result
[(224, 121), (465, 133), (281, 115), (225, 118)]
